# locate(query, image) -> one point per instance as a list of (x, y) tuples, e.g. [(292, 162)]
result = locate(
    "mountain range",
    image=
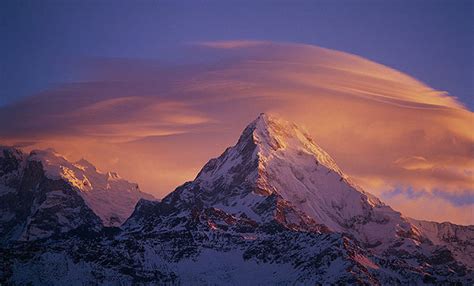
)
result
[(274, 209)]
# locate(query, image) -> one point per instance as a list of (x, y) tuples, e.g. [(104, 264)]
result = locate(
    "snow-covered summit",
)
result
[(271, 133), (263, 140), (276, 157)]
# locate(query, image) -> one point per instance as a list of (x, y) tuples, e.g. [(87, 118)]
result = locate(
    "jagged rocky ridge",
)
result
[(42, 195), (273, 209)]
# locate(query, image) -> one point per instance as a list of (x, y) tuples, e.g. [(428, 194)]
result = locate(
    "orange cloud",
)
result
[(161, 124)]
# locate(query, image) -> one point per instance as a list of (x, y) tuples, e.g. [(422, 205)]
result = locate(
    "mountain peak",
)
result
[(269, 124), (276, 157), (270, 134), (265, 121), (267, 138), (270, 130), (109, 196)]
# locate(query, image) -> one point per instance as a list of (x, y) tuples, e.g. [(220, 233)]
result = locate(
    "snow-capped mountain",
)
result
[(273, 209), (44, 194), (458, 239), (107, 194), (33, 206), (276, 157)]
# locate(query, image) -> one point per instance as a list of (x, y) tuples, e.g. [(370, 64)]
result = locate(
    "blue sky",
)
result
[(44, 42)]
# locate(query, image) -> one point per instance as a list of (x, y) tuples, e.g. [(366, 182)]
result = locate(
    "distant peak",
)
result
[(9, 151)]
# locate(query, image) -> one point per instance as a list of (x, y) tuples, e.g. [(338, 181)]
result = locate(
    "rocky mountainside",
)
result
[(458, 239), (33, 206), (42, 194), (273, 209)]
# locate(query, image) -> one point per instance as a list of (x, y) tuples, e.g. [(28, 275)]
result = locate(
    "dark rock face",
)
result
[(36, 207), (10, 161)]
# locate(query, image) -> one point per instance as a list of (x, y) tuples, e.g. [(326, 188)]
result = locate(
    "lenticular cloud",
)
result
[(389, 131)]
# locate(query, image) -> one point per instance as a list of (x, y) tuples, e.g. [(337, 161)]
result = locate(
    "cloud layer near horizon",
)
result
[(158, 124)]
